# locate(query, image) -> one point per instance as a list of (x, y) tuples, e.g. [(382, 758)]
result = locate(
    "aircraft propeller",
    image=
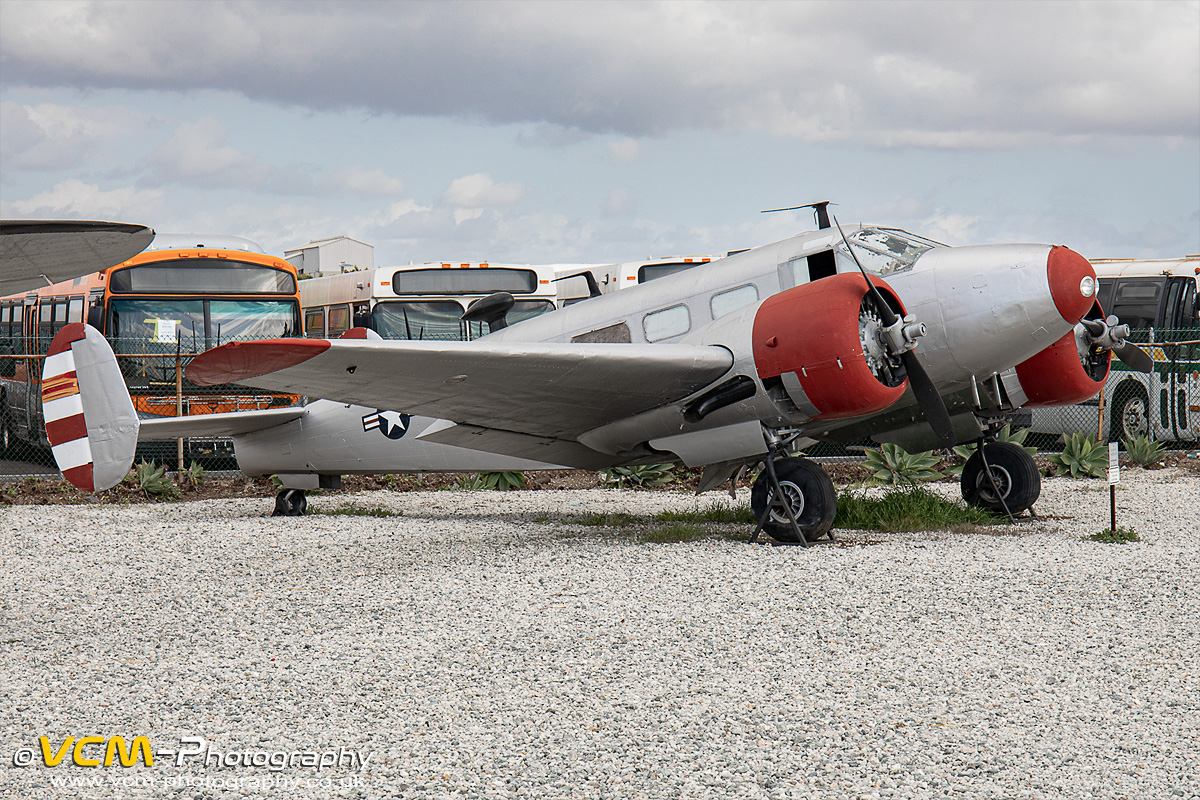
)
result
[(900, 336), (1107, 334)]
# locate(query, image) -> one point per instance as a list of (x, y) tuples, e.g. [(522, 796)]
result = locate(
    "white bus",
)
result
[(1160, 301), (611, 277), (422, 301)]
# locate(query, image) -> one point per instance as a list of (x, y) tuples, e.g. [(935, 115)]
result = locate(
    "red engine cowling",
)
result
[(812, 331), (1057, 376)]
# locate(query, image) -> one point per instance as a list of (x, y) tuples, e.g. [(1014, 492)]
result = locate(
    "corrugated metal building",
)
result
[(331, 256)]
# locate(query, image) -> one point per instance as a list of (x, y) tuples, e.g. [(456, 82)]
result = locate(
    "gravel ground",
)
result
[(483, 645)]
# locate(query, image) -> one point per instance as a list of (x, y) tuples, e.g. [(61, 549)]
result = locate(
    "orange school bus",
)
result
[(158, 309)]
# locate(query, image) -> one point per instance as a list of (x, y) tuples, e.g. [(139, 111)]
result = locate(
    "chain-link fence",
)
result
[(155, 375), (1163, 406)]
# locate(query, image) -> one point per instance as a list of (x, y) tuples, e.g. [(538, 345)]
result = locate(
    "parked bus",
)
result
[(422, 301), (612, 277), (1160, 301), (180, 297)]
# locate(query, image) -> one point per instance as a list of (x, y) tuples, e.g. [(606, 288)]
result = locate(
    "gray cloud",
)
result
[(957, 75)]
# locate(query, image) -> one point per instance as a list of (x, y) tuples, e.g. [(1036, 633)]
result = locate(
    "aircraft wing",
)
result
[(554, 390), (36, 253)]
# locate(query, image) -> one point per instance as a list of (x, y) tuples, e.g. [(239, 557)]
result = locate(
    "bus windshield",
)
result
[(440, 320), (157, 322)]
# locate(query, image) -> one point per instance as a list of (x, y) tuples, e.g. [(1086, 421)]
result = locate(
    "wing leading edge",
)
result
[(554, 390)]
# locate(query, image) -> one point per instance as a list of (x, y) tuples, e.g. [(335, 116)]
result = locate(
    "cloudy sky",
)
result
[(579, 131)]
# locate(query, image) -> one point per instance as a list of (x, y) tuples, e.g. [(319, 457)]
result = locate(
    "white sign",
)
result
[(1114, 465), (164, 330)]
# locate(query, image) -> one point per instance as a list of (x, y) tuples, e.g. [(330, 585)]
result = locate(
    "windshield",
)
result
[(884, 251), (152, 325), (440, 320)]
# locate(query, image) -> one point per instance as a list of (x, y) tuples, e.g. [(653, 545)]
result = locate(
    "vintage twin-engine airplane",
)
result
[(828, 335)]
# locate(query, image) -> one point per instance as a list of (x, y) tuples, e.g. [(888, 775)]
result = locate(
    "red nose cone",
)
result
[(1067, 270)]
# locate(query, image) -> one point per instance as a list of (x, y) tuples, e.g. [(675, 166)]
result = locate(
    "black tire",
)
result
[(1015, 473), (290, 503), (1130, 415), (812, 498)]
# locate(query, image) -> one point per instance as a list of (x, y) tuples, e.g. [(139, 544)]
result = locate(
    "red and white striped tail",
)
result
[(90, 420)]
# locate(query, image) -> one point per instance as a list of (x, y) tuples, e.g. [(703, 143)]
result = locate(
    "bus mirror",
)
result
[(492, 309), (95, 317)]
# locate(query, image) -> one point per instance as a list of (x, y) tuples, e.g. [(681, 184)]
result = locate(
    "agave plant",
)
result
[(892, 465), (1142, 451), (1082, 457), (155, 482), (494, 481), (645, 476)]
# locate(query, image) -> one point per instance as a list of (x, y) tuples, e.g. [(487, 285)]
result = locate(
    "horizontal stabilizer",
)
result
[(90, 420), (232, 423)]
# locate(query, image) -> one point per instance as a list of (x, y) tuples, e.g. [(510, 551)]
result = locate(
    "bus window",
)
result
[(465, 281), (314, 323), (525, 309), (1104, 295), (75, 309), (652, 272), (666, 323), (439, 320), (339, 320), (1136, 301)]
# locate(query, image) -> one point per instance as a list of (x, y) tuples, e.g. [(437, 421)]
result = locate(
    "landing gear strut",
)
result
[(290, 503), (793, 500)]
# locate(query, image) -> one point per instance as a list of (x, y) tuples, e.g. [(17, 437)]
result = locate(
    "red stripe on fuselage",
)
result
[(239, 361)]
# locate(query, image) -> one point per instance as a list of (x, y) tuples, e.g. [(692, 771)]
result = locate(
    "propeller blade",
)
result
[(1134, 357), (929, 400), (886, 315)]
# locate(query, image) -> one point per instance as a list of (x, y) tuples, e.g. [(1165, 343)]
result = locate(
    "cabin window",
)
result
[(339, 320), (666, 323), (733, 299), (314, 322)]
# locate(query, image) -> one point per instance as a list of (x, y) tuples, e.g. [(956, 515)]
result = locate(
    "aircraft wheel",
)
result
[(1130, 416), (809, 493), (1016, 476), (290, 503)]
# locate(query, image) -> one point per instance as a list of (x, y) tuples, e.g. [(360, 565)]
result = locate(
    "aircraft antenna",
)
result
[(821, 210)]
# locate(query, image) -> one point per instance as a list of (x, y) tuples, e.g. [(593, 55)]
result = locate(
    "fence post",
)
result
[(178, 403)]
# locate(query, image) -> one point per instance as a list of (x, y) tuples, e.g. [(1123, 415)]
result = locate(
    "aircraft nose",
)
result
[(1072, 283)]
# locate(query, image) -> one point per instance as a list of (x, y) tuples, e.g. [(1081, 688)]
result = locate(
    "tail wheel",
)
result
[(809, 493), (290, 503), (1131, 416), (1018, 484)]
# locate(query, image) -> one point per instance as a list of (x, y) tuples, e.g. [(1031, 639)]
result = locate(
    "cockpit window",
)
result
[(885, 251)]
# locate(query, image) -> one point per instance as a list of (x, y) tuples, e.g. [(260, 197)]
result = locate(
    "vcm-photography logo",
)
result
[(96, 751)]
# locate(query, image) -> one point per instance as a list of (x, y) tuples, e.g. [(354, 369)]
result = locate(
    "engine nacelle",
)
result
[(808, 340), (1063, 374)]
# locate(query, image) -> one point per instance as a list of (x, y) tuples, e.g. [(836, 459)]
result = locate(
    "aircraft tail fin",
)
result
[(90, 420)]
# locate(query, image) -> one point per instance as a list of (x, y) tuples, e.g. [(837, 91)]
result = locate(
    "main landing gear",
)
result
[(1001, 477), (793, 500), (290, 503)]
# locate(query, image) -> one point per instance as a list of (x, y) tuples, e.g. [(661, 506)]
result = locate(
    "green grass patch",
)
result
[(674, 532), (350, 510), (609, 520), (909, 510), (717, 512), (1119, 536)]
